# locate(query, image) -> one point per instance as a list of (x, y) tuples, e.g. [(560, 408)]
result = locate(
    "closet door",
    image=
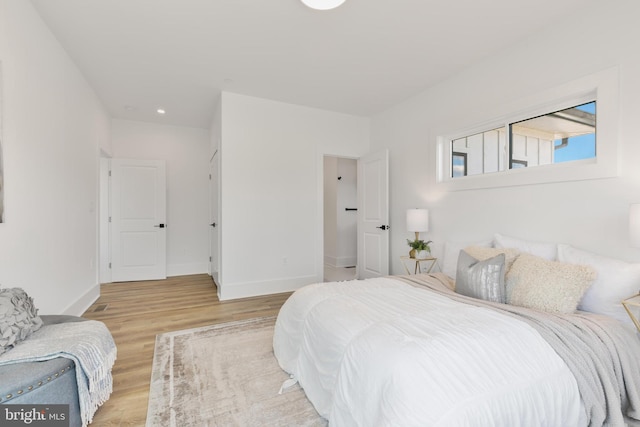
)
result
[(214, 217)]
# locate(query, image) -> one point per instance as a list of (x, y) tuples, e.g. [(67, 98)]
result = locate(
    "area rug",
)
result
[(224, 375)]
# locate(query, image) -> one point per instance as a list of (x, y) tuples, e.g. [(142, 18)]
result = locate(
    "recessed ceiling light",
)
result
[(323, 4), (160, 111)]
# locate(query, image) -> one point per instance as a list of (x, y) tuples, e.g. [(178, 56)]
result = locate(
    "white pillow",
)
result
[(451, 252), (548, 251), (616, 281), (483, 253)]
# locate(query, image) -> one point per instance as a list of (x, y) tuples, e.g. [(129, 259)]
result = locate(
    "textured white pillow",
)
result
[(451, 252), (18, 318), (542, 249), (545, 285), (616, 281)]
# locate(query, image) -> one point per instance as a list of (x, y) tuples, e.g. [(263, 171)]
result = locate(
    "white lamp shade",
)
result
[(323, 4), (634, 225), (417, 220)]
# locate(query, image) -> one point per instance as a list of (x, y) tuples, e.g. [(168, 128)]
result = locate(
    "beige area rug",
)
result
[(224, 375)]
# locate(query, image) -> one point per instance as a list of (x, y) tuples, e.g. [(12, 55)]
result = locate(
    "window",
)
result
[(482, 152), (560, 136), (551, 135), (458, 164)]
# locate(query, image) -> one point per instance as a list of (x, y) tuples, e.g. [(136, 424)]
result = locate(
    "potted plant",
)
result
[(419, 249)]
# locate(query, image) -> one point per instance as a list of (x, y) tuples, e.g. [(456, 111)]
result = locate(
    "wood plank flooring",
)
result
[(135, 312)]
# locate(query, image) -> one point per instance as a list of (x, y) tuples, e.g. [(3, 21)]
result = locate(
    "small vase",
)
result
[(423, 254), (412, 253)]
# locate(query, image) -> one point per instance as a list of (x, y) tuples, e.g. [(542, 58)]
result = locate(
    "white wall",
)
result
[(53, 128), (591, 214), (271, 199), (186, 152)]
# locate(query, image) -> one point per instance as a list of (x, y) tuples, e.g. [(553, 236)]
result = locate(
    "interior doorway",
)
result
[(340, 218), (132, 220)]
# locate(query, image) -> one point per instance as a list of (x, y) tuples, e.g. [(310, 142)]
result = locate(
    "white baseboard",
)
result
[(252, 289), (187, 269), (81, 305), (347, 261), (330, 260)]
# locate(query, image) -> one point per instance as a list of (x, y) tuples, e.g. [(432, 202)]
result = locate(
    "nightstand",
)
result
[(632, 305), (417, 266)]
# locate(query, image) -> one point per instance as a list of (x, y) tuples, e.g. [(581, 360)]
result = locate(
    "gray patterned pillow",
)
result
[(18, 318), (481, 279)]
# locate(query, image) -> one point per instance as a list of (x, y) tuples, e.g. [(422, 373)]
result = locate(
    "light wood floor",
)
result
[(135, 312)]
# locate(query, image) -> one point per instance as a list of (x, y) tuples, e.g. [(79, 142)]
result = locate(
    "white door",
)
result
[(214, 221), (138, 220), (373, 215)]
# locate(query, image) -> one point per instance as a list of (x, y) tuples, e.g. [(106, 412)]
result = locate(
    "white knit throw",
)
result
[(89, 344)]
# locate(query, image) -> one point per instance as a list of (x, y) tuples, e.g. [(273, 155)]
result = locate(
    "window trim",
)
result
[(601, 87)]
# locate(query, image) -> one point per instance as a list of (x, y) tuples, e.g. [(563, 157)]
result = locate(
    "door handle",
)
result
[(160, 225), (384, 227), (213, 224)]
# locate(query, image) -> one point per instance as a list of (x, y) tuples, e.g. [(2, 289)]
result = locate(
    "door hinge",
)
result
[(109, 173), (109, 265), (109, 219), (210, 259), (209, 177)]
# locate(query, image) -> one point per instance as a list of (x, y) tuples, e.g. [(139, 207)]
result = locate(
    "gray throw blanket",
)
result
[(89, 344), (599, 351)]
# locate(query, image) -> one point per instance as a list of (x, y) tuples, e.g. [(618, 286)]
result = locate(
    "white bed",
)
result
[(392, 352)]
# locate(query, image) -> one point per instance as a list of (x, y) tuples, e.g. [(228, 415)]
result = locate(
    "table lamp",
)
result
[(418, 221)]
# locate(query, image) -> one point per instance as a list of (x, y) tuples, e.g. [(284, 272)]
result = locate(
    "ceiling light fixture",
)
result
[(160, 111), (323, 4)]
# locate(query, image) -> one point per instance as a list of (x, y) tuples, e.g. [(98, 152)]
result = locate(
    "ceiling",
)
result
[(360, 59)]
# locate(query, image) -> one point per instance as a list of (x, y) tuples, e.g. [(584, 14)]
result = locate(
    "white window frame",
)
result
[(601, 87)]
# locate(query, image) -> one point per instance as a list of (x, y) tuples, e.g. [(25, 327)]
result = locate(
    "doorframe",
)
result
[(104, 225), (215, 181), (320, 155)]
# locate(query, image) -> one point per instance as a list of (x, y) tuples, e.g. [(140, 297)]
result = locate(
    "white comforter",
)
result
[(381, 352)]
